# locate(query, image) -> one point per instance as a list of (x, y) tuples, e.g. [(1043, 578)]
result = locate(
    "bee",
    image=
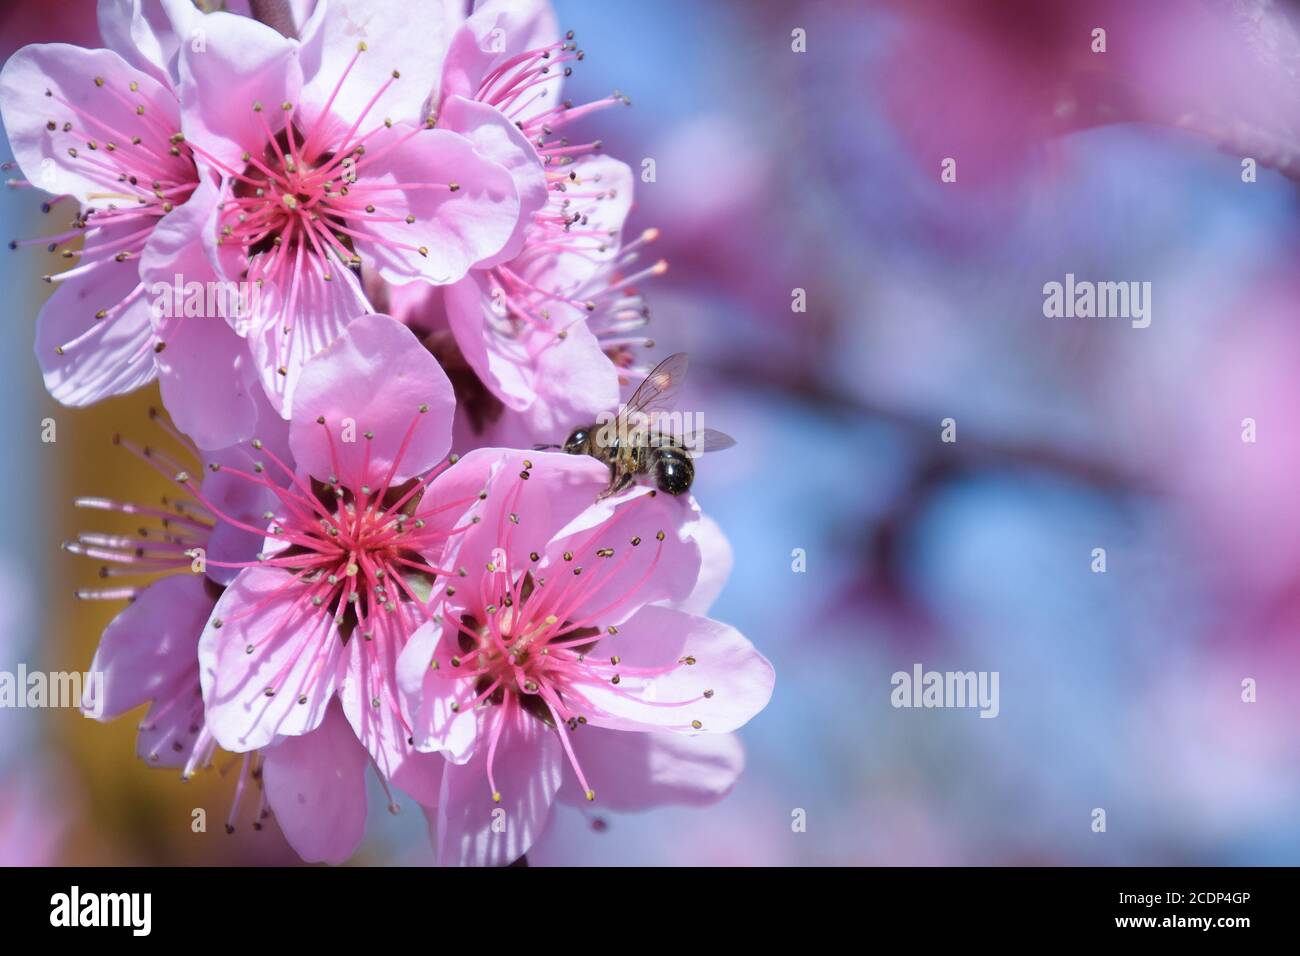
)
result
[(632, 443)]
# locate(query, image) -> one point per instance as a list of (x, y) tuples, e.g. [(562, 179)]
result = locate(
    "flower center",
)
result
[(357, 552), (290, 197), (533, 647), (523, 652)]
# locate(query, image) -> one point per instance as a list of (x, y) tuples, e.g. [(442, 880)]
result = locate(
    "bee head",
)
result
[(576, 443)]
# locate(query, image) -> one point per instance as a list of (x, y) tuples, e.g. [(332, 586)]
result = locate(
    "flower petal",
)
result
[(473, 830), (375, 715), (501, 362), (457, 229), (574, 382), (316, 785), (59, 160), (238, 498), (496, 31), (715, 568), (559, 488), (395, 36), (635, 771), (634, 574), (296, 649), (606, 189), (150, 650), (208, 381), (724, 683), (496, 138), (287, 326), (441, 719), (240, 62), (142, 33), (376, 376), (85, 358)]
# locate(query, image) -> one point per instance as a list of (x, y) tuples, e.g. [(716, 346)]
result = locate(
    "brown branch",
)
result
[(275, 14)]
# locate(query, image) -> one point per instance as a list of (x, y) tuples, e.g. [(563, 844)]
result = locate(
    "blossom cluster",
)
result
[(428, 258)]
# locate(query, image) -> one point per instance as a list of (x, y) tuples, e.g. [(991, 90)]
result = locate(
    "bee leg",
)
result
[(613, 480), (618, 480)]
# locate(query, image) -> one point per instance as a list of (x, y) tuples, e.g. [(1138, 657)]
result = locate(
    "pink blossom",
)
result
[(89, 126), (554, 642), (327, 166), (101, 130), (327, 590), (545, 324), (303, 645)]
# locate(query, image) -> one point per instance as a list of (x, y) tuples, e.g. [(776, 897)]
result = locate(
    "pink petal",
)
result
[(316, 785), (527, 769), (567, 272), (496, 138), (635, 771), (208, 381), (575, 382), (430, 696), (261, 610), (715, 567), (501, 363), (107, 113), (142, 33), (571, 381), (639, 574), (316, 314), (457, 229), (726, 663), (496, 31), (150, 650), (382, 730), (238, 498), (116, 354), (242, 62), (173, 728), (560, 488), (377, 376), (395, 37)]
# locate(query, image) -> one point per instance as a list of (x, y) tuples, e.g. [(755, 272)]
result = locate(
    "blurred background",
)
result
[(778, 171)]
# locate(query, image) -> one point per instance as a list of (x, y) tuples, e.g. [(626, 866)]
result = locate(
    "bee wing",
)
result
[(706, 440), (714, 440), (660, 386)]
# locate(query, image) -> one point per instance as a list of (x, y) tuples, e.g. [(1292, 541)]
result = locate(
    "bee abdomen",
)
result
[(673, 470)]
